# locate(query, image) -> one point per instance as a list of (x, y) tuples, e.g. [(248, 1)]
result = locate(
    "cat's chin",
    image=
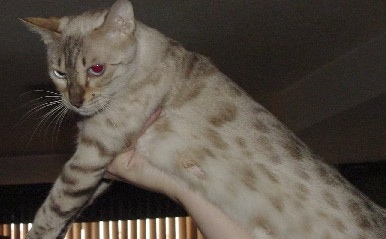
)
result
[(84, 112), (87, 112)]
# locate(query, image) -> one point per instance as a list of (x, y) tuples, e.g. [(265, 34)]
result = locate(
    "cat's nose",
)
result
[(76, 95), (76, 101)]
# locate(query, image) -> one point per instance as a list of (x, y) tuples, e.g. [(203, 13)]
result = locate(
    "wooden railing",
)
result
[(160, 228)]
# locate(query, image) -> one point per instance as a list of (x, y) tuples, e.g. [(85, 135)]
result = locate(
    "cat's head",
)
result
[(89, 55)]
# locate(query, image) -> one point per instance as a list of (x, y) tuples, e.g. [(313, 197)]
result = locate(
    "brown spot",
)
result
[(192, 60), (197, 66), (163, 125), (249, 178), (194, 155), (328, 175), (261, 126), (302, 192), (216, 139), (263, 223), (278, 203), (240, 142), (235, 90), (260, 110), (354, 207), (363, 222), (356, 210), (276, 159), (84, 61), (265, 144), (66, 179), (75, 193), (130, 138), (303, 174), (339, 225), (187, 94), (201, 153), (247, 154), (293, 149), (226, 113), (102, 149), (322, 214), (330, 199), (267, 172), (58, 210), (86, 169)]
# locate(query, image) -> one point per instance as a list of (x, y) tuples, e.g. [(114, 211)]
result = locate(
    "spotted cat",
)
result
[(116, 72)]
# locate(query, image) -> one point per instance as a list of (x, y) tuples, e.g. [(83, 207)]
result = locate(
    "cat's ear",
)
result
[(48, 28), (120, 18)]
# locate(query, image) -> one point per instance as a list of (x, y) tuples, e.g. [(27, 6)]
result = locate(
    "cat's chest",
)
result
[(116, 130)]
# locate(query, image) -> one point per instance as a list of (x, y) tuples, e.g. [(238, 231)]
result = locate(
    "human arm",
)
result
[(211, 221)]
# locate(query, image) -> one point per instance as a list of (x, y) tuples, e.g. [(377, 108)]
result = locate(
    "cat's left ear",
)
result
[(120, 19), (48, 28)]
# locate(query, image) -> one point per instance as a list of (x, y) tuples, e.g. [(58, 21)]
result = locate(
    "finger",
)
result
[(111, 176), (150, 121), (122, 161)]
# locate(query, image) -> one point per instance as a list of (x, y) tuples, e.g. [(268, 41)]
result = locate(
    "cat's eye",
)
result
[(96, 70), (60, 74)]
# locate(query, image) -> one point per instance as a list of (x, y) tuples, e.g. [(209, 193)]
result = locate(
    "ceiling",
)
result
[(318, 65)]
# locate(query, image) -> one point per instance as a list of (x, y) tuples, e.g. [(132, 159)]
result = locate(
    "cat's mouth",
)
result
[(88, 110)]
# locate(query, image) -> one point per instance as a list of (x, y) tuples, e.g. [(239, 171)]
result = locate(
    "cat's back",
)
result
[(251, 166)]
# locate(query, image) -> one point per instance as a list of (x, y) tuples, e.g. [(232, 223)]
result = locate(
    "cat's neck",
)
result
[(150, 47)]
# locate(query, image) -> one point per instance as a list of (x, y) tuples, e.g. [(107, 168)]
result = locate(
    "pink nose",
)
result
[(76, 95)]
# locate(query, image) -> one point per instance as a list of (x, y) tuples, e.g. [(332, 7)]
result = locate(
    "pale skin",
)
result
[(212, 222)]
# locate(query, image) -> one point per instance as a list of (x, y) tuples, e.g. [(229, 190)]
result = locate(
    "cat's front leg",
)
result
[(74, 188)]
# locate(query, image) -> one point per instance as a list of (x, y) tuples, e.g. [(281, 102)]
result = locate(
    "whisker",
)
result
[(44, 119), (61, 114), (107, 109), (48, 91), (34, 111)]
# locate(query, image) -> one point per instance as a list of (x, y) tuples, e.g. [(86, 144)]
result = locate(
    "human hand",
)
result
[(135, 169)]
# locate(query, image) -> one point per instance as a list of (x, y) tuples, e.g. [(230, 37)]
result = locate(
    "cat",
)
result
[(116, 72)]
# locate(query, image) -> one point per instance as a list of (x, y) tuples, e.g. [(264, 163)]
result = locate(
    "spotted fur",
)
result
[(211, 134)]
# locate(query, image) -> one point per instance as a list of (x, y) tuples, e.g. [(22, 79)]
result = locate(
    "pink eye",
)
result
[(96, 70)]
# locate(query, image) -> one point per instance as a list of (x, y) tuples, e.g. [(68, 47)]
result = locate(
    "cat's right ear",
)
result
[(120, 19), (48, 28)]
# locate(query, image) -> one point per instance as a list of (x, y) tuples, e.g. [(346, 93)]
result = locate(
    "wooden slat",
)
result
[(106, 230), (161, 228), (94, 230), (114, 230), (133, 229), (7, 230), (69, 233), (1, 230), (191, 230), (77, 230), (86, 226), (152, 229), (16, 231), (182, 227), (24, 231), (142, 229), (123, 229), (172, 227)]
